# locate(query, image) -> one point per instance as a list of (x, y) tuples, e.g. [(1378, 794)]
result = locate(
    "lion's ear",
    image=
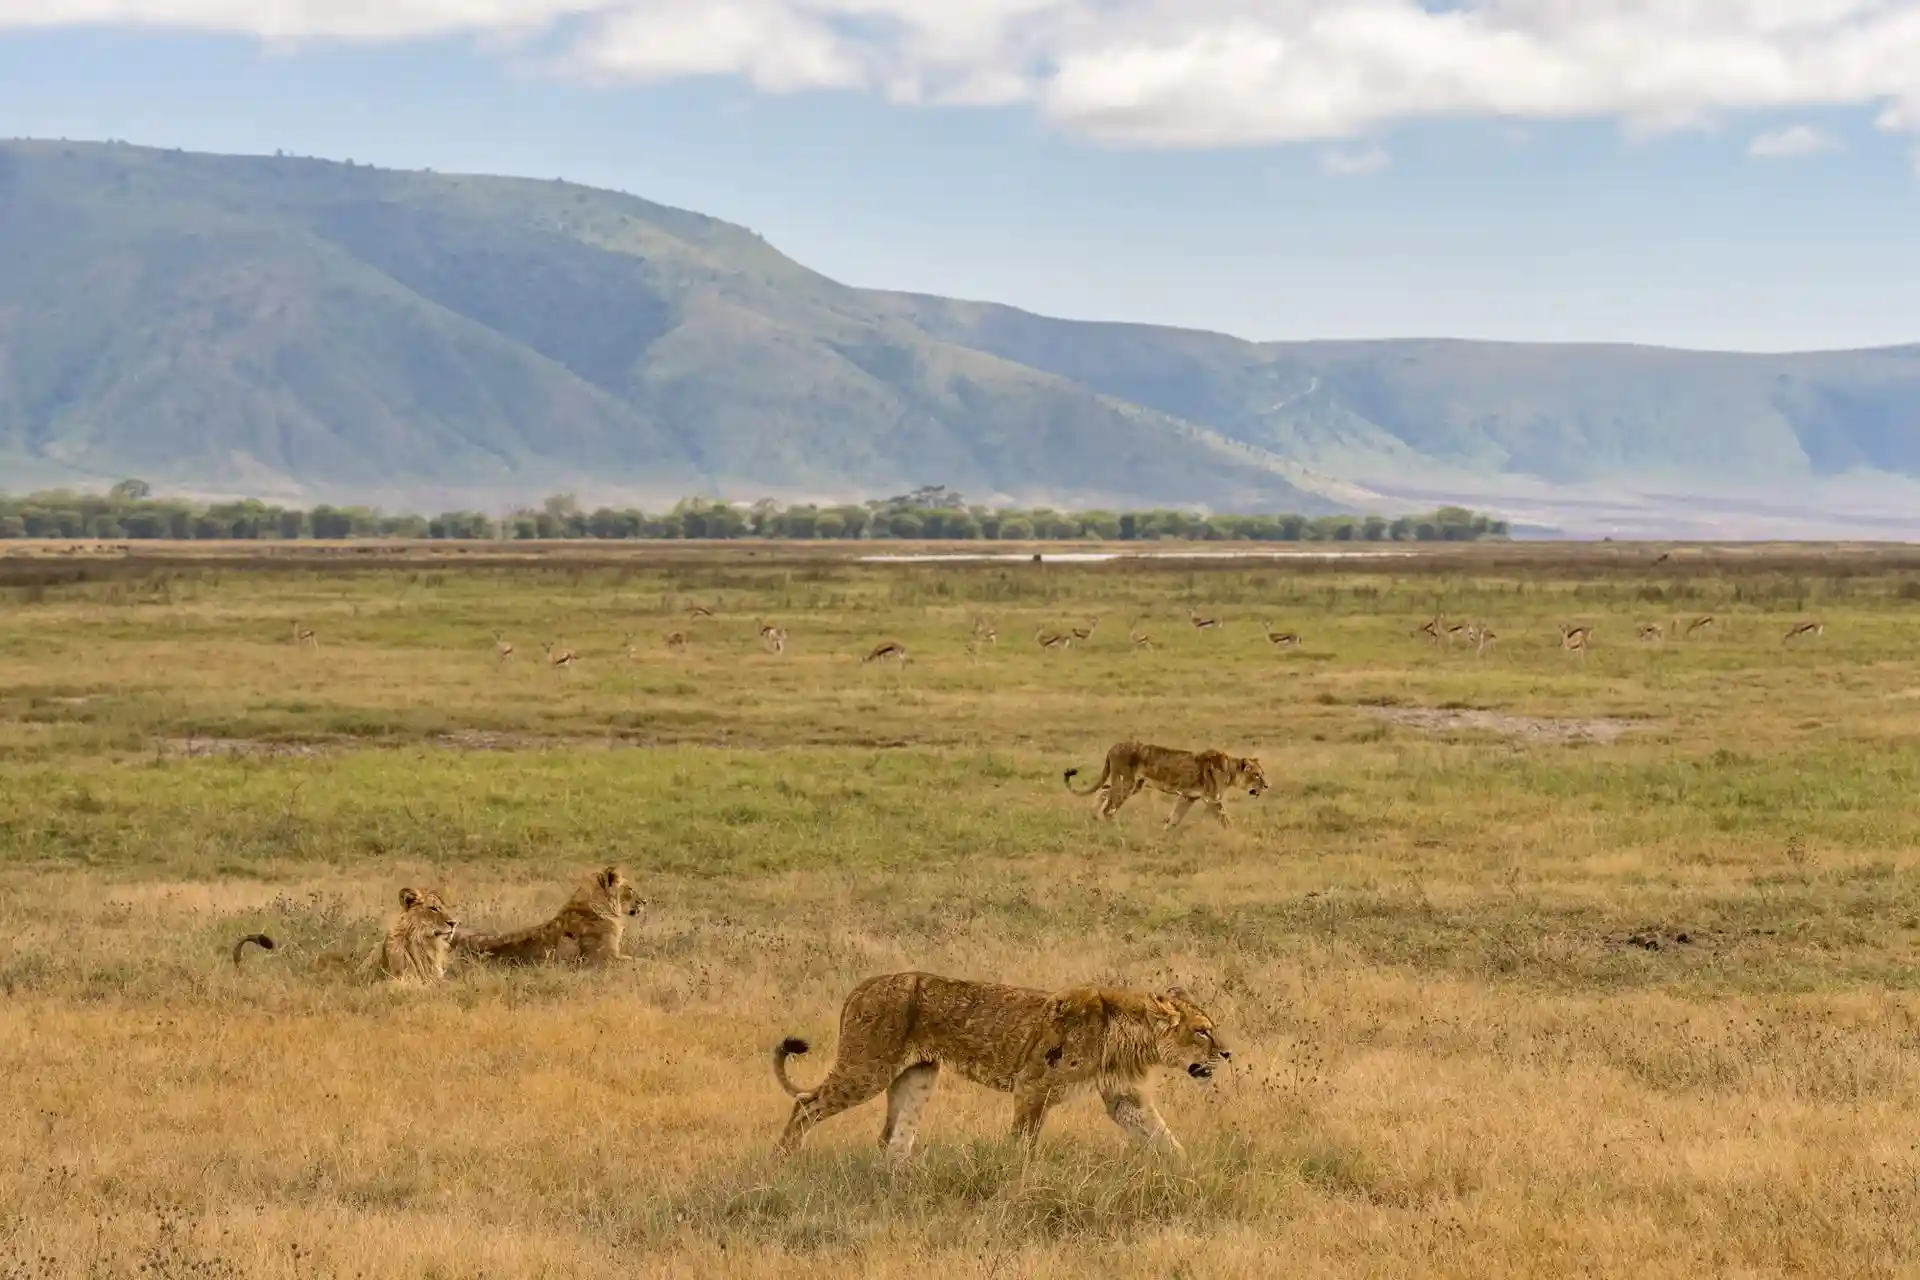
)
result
[(610, 877), (409, 898), (1178, 995)]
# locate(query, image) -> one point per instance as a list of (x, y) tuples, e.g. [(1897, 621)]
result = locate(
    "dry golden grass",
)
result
[(1470, 1039)]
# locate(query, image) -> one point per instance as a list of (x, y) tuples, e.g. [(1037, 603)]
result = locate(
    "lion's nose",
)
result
[(1226, 1053)]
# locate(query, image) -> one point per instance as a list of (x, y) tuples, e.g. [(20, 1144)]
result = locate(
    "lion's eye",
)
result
[(1204, 1034)]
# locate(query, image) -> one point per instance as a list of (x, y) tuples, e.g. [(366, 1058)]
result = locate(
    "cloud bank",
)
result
[(1172, 73)]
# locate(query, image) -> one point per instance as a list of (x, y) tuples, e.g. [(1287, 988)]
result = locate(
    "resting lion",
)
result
[(414, 947), (588, 929), (1190, 775), (899, 1029)]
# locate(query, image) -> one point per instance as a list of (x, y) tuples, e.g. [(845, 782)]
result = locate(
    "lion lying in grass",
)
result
[(899, 1029), (588, 930), (414, 947), (1193, 776)]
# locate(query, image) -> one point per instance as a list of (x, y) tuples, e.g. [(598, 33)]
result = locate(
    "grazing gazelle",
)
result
[(1200, 623), (1430, 629), (1699, 624), (304, 636), (1651, 632), (1574, 639), (1811, 627), (1280, 639), (1141, 640), (1457, 631), (773, 639), (502, 647), (560, 659), (887, 650), (1084, 634), (1053, 639), (697, 610)]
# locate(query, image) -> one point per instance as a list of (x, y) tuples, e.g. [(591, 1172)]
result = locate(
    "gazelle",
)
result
[(1699, 624), (676, 640), (1141, 640), (697, 610), (304, 636), (984, 632), (1200, 623), (1280, 639), (1651, 632), (1811, 627), (1084, 634), (887, 650), (1574, 639), (1430, 629), (502, 647), (1456, 632), (773, 639), (560, 659), (633, 653), (1481, 636), (1053, 639)]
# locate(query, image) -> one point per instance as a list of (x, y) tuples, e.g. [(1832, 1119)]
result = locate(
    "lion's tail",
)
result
[(260, 940), (791, 1047), (1106, 773)]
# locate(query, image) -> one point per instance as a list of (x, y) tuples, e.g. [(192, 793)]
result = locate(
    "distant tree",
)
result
[(131, 491)]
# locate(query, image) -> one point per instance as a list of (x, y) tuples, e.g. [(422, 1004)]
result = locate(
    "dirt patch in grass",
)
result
[(1527, 728)]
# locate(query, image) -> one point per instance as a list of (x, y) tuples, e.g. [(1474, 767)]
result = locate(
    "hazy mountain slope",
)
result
[(1560, 413), (269, 322)]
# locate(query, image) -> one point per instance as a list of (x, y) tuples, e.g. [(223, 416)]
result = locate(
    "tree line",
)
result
[(130, 511)]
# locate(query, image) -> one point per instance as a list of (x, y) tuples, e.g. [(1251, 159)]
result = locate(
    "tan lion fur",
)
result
[(1193, 776), (414, 947), (588, 929), (898, 1030)]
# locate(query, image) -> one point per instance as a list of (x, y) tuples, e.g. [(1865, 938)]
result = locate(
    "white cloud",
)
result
[(1794, 140), (1353, 162), (1184, 73)]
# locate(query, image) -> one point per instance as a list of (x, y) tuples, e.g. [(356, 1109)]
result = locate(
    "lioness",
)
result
[(899, 1029), (1190, 775), (414, 946), (588, 929)]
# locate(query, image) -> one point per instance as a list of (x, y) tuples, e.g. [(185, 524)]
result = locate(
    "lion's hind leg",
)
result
[(1119, 791), (1179, 813), (846, 1086), (907, 1099)]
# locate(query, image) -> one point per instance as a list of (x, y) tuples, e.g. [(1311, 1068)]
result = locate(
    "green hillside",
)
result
[(279, 325)]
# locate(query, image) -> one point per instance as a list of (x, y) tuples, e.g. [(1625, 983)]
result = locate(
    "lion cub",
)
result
[(899, 1029), (588, 929)]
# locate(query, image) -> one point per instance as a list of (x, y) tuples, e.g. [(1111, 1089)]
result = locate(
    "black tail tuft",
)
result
[(794, 1045), (260, 940), (1072, 774)]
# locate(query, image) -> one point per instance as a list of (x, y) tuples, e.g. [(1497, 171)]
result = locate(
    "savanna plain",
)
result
[(1535, 962)]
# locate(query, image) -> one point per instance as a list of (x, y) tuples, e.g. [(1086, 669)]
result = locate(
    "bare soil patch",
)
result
[(1528, 728)]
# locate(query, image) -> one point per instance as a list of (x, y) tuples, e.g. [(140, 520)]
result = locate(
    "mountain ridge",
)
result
[(311, 328)]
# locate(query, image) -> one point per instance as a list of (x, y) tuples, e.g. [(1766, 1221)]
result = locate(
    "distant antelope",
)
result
[(1811, 627), (1200, 623), (1456, 632), (560, 659), (1651, 632), (1482, 636), (1280, 639), (1574, 639), (1430, 629), (699, 611), (676, 640), (887, 650), (1141, 640), (984, 632), (772, 638), (632, 652), (502, 647), (1084, 634), (1053, 639), (1663, 557), (1699, 624), (304, 636)]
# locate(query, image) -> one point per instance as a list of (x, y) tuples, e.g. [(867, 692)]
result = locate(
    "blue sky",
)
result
[(1494, 169)]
